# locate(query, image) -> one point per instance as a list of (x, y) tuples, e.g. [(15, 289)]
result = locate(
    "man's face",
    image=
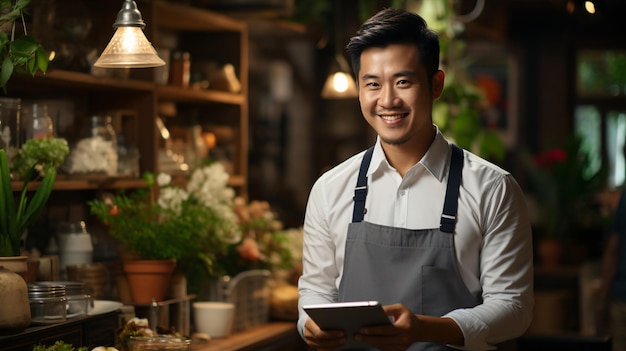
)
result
[(395, 94)]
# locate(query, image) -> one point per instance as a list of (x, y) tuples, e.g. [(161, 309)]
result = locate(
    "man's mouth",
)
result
[(391, 118)]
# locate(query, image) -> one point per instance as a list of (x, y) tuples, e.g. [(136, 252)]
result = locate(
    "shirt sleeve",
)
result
[(317, 283), (506, 271)]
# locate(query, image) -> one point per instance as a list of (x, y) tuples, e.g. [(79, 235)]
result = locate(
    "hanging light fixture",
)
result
[(339, 84), (129, 47)]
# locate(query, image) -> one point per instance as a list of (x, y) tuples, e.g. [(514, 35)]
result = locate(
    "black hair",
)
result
[(396, 26)]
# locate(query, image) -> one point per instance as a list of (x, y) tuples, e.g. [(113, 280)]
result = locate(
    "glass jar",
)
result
[(96, 151), (36, 122), (48, 303), (10, 125)]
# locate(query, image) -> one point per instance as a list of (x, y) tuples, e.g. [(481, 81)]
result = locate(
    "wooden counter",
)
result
[(273, 336)]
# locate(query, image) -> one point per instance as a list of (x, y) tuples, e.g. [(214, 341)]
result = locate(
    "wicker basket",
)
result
[(250, 292)]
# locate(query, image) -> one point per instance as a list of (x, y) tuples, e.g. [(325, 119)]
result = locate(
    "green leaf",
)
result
[(10, 16), (7, 207), (4, 39), (40, 198), (6, 71), (42, 59), (25, 45)]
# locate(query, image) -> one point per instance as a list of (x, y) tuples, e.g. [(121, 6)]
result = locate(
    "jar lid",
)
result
[(69, 287), (42, 290)]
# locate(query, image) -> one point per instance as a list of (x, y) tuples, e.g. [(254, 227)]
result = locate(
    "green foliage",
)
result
[(47, 152), (151, 231), (59, 346), (38, 166), (21, 54), (202, 226)]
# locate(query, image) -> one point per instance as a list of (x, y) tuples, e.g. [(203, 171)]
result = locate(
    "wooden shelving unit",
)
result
[(140, 95)]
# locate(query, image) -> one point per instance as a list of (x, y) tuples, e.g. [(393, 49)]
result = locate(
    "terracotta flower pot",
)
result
[(148, 279), (550, 252)]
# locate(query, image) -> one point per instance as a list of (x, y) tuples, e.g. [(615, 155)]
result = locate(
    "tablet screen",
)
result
[(348, 316)]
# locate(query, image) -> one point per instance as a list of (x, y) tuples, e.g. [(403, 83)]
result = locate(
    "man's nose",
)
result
[(388, 97)]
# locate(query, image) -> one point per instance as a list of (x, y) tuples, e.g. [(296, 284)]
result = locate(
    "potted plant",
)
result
[(198, 225), (565, 190), (37, 159), (19, 53)]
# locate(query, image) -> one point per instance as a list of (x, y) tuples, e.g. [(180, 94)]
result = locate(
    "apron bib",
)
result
[(414, 267)]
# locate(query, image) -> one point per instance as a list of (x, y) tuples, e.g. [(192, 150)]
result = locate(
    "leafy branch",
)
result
[(21, 54)]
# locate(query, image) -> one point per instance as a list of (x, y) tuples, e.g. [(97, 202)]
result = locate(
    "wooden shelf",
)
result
[(281, 335), (77, 80), (179, 94), (64, 182), (174, 16), (87, 183)]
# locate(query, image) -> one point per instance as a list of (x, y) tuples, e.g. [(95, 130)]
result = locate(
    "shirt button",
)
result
[(402, 192)]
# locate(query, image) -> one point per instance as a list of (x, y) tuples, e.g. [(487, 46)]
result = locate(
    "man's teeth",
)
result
[(391, 118)]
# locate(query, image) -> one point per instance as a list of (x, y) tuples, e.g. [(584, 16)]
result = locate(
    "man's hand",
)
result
[(323, 340), (398, 336)]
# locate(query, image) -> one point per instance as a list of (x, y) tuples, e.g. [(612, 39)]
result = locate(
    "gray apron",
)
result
[(416, 268)]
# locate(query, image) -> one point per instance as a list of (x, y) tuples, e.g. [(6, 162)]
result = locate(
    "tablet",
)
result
[(348, 316)]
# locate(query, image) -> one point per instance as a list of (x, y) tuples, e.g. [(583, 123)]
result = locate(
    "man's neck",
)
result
[(404, 156)]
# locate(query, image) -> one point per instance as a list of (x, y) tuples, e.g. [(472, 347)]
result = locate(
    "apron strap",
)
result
[(360, 192), (450, 206)]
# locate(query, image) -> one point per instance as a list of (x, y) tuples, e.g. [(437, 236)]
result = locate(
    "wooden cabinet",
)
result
[(209, 38), (91, 331)]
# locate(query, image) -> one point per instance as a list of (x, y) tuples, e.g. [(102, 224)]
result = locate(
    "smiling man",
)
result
[(438, 235)]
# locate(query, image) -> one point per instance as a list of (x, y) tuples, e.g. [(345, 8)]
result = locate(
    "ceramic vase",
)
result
[(15, 316), (148, 279)]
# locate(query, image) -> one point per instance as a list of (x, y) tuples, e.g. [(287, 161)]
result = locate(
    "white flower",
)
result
[(172, 199), (164, 179)]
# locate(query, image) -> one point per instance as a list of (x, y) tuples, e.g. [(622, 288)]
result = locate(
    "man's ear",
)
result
[(438, 80)]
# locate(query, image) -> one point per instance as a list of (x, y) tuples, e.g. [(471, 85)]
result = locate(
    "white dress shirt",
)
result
[(492, 236)]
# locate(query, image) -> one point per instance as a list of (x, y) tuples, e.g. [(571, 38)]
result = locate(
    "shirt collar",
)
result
[(435, 160)]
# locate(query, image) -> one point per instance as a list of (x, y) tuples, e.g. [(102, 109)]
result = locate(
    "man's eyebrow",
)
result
[(406, 73), (368, 76)]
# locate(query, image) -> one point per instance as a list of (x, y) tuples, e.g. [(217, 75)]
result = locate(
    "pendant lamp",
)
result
[(339, 84), (129, 47)]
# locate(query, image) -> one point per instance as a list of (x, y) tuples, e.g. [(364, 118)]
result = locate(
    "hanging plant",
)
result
[(19, 53)]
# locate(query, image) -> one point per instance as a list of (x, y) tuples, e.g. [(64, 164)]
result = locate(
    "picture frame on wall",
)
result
[(494, 70)]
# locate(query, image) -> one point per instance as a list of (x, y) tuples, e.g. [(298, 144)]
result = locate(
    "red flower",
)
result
[(249, 249), (550, 157)]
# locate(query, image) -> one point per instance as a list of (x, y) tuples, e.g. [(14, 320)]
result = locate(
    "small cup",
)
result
[(214, 318)]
